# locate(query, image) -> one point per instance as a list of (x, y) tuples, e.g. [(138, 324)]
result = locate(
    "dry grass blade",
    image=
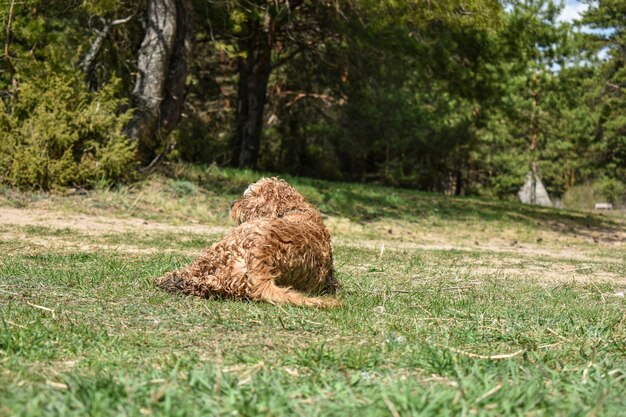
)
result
[(244, 372), (479, 356), (58, 385), (489, 393), (555, 333), (40, 307), (15, 324), (460, 287), (549, 345), (379, 291), (392, 408), (586, 372)]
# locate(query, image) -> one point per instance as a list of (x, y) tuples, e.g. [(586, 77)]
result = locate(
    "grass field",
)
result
[(452, 306)]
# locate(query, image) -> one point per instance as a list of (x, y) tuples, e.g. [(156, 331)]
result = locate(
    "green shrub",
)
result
[(613, 191), (56, 133), (184, 188), (585, 196), (228, 181), (581, 197)]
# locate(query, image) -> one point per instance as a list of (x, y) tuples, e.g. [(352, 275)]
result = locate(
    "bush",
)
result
[(581, 197), (585, 196), (613, 191), (56, 133), (183, 188)]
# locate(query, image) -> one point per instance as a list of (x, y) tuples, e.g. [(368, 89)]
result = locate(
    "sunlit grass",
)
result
[(437, 318), (88, 332)]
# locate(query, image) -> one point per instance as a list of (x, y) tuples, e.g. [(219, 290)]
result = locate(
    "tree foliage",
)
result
[(462, 96), (53, 130), (56, 133), (607, 19)]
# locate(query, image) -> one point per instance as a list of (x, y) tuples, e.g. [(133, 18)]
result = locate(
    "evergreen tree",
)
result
[(607, 19)]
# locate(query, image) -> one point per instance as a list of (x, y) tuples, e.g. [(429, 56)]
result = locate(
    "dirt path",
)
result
[(500, 248), (505, 261), (91, 225), (95, 225)]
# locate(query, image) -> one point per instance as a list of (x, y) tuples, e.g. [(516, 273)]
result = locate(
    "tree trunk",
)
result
[(534, 133), (458, 182), (254, 73), (161, 71)]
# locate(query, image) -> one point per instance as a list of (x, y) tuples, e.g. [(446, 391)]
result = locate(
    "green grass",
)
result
[(468, 330), (113, 344)]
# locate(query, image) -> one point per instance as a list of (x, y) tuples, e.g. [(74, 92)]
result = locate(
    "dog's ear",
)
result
[(268, 197)]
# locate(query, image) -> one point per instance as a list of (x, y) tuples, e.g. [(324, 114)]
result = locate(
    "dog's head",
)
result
[(266, 198)]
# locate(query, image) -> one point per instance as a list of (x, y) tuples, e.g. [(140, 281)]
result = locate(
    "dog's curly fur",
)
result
[(279, 251)]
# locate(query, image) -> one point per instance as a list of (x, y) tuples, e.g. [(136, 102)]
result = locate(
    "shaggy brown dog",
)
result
[(279, 249)]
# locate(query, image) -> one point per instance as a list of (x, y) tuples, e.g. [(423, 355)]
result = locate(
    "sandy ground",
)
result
[(87, 226), (94, 225), (561, 262)]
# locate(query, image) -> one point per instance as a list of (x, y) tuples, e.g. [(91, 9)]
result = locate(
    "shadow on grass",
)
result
[(368, 203), (365, 203)]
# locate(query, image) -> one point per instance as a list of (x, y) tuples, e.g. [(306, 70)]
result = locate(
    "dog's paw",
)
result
[(171, 283)]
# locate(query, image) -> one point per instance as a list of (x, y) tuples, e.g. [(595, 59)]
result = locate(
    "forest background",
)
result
[(459, 97)]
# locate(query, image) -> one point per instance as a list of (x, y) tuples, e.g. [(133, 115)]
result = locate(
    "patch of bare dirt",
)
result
[(608, 245), (519, 250), (43, 244), (534, 263), (96, 225), (562, 253)]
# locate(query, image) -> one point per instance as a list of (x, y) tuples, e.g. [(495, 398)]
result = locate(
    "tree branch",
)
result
[(9, 32), (287, 58), (328, 100), (88, 64)]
